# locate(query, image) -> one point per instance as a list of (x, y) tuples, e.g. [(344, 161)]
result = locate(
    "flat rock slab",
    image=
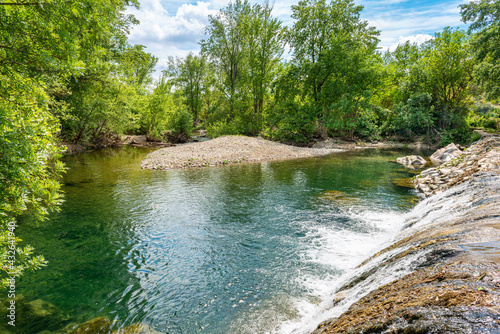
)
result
[(227, 150)]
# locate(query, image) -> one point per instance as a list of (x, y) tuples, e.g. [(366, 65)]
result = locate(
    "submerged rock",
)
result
[(405, 183), (445, 154), (412, 161), (33, 316), (95, 326), (138, 328)]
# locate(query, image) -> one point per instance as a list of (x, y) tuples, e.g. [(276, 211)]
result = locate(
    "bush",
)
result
[(487, 121), (415, 117), (462, 135), (221, 128), (179, 124), (368, 123), (290, 122)]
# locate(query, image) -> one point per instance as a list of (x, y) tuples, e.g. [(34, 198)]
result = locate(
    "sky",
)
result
[(174, 27)]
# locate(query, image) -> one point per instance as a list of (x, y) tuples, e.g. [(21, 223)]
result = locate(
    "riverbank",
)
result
[(445, 262), (227, 150)]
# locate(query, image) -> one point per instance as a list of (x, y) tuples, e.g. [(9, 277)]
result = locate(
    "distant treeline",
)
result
[(67, 72)]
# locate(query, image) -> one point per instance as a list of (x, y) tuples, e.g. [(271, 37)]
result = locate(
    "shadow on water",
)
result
[(200, 251)]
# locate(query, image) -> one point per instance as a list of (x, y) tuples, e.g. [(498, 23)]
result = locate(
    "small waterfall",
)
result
[(422, 241)]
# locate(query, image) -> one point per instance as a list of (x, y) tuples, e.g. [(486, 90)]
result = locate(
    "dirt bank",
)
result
[(227, 150)]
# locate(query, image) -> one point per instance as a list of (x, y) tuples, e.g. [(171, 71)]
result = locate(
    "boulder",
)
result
[(412, 161), (445, 154)]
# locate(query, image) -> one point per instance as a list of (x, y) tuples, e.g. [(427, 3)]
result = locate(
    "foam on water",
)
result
[(346, 249), (343, 249)]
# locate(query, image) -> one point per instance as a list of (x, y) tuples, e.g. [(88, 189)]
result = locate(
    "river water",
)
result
[(253, 248)]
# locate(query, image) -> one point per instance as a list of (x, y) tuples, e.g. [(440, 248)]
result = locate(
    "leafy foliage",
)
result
[(42, 43), (484, 16)]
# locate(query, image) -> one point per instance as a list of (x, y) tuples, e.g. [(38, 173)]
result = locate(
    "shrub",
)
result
[(415, 117), (462, 135), (368, 123), (179, 124), (221, 128), (290, 122)]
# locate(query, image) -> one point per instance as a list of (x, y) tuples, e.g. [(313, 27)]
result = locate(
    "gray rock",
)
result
[(428, 171), (412, 161), (445, 154)]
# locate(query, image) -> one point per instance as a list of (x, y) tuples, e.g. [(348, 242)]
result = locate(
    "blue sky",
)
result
[(173, 28)]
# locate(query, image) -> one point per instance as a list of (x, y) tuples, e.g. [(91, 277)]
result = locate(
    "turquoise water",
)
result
[(247, 248)]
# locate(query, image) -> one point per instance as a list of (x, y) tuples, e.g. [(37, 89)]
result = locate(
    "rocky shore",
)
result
[(445, 264), (481, 157)]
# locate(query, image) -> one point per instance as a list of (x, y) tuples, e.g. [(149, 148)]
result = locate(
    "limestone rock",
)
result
[(445, 154), (412, 161), (484, 156)]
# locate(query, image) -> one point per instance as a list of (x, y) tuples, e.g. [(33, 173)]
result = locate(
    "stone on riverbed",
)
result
[(445, 154), (412, 161), (94, 326), (138, 328)]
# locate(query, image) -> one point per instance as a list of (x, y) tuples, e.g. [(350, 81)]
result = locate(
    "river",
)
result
[(251, 248)]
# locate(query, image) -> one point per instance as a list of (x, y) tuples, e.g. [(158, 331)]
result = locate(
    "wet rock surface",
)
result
[(442, 273)]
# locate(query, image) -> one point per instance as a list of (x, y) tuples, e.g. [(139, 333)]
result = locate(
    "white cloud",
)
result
[(165, 34), (401, 22), (419, 39), (174, 27)]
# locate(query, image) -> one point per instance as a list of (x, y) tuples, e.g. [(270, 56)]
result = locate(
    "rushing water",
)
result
[(248, 248)]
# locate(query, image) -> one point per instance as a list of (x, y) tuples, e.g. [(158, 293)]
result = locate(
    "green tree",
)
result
[(41, 43), (28, 168), (164, 117), (100, 105), (135, 65), (335, 52), (225, 47), (484, 16), (189, 74), (396, 85), (265, 45), (448, 65)]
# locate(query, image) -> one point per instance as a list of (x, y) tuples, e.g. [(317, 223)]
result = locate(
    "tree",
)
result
[(28, 168), (135, 65), (335, 52), (101, 104), (245, 45), (189, 74), (41, 43), (447, 66), (396, 86), (164, 117), (265, 45), (484, 16), (225, 47)]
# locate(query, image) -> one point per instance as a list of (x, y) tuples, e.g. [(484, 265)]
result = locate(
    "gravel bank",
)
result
[(227, 150)]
